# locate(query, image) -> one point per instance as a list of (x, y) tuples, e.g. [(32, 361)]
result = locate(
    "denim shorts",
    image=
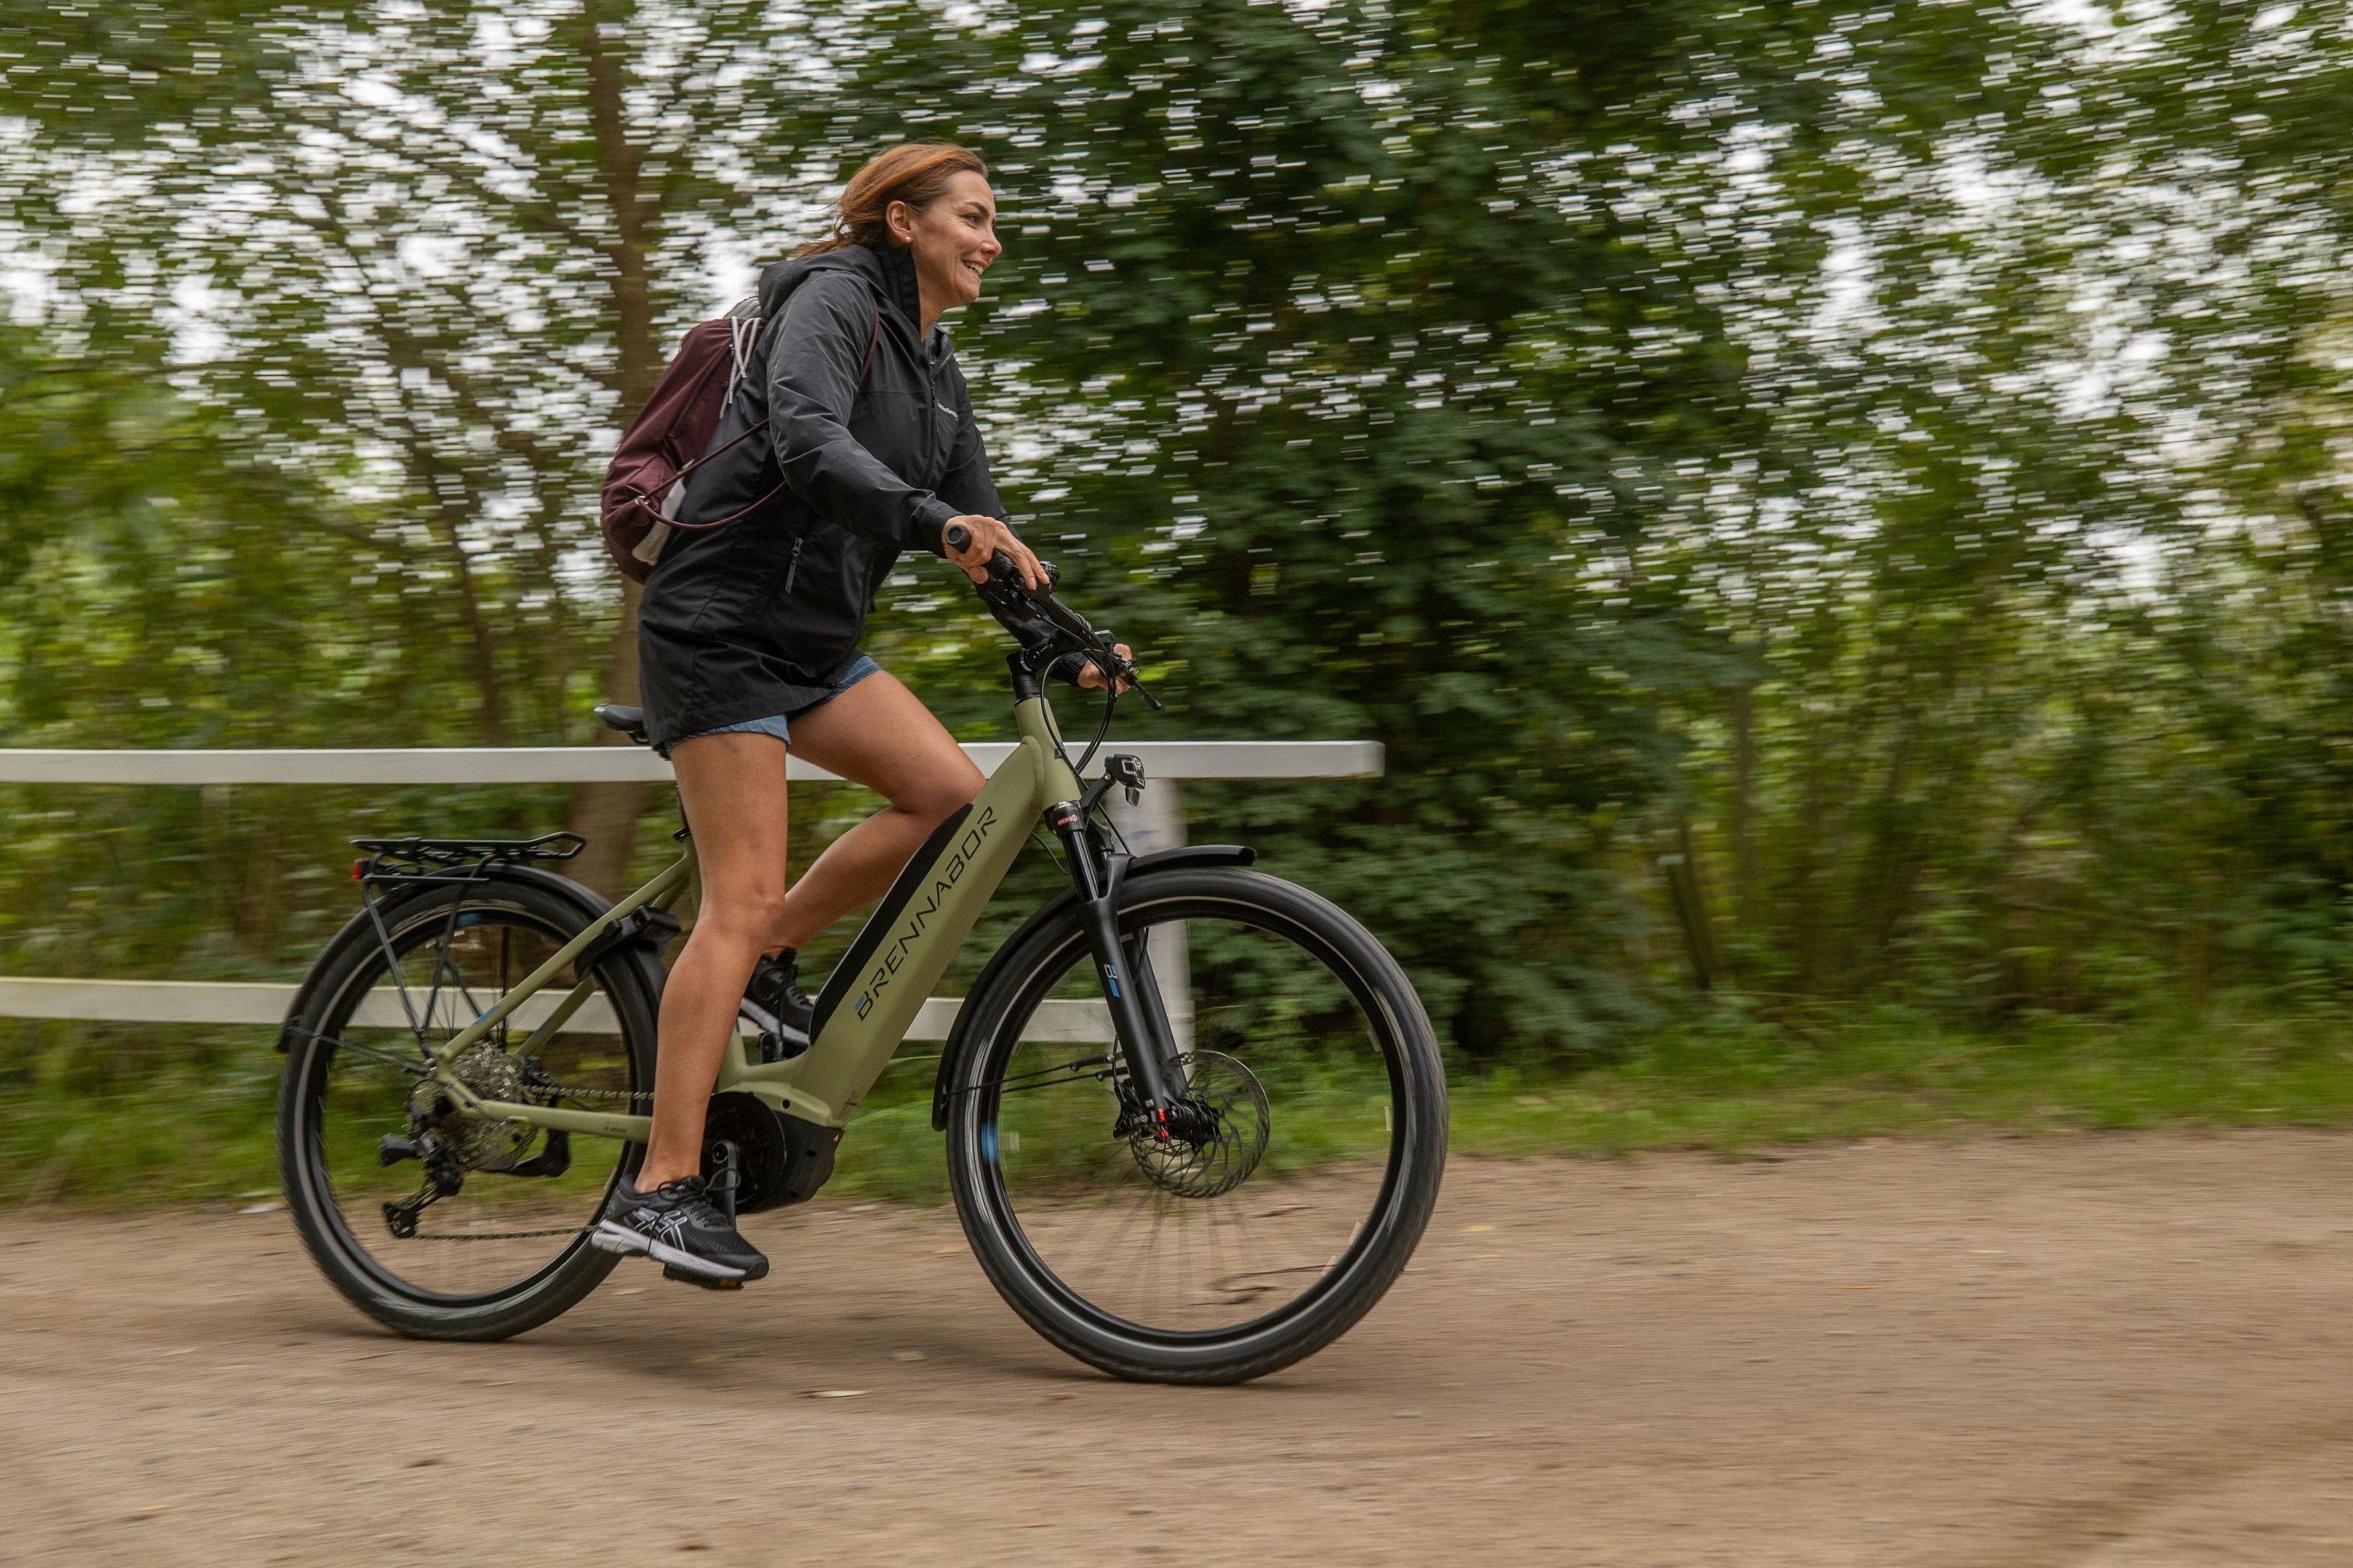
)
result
[(779, 724)]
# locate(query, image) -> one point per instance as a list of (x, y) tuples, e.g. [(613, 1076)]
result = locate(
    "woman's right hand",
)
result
[(988, 537)]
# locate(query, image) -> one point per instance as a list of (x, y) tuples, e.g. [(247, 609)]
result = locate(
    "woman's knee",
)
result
[(741, 916), (931, 801)]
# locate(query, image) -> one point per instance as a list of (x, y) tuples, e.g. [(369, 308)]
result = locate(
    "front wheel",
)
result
[(1317, 1136)]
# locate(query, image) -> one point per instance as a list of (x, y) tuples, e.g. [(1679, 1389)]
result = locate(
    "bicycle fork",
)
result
[(1139, 1015)]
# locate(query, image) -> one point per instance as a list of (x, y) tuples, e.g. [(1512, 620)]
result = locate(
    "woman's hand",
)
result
[(988, 537), (1091, 677)]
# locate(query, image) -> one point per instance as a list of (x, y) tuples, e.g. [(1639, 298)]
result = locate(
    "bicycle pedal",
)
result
[(688, 1277)]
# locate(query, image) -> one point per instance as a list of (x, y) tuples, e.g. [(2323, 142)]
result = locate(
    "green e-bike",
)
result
[(1196, 1117)]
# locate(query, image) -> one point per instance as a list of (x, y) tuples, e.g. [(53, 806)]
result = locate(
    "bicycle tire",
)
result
[(314, 1036), (990, 1029)]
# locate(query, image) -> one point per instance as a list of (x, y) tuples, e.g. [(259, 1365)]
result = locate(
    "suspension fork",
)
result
[(1137, 1018)]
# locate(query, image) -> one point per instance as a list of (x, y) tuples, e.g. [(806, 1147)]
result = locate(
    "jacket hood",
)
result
[(891, 273)]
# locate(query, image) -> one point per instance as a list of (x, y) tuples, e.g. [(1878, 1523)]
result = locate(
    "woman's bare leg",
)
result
[(880, 734), (877, 733), (732, 788)]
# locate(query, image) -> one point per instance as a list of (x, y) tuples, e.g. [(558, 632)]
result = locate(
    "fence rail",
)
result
[(1158, 822), (1202, 760), (216, 1002)]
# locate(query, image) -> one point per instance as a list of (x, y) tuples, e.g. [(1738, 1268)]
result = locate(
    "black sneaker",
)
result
[(679, 1226), (778, 1008)]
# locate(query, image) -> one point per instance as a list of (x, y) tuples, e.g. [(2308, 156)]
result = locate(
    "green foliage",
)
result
[(200, 1131), (1847, 508)]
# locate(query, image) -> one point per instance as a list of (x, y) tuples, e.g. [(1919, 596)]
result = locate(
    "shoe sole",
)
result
[(614, 1237)]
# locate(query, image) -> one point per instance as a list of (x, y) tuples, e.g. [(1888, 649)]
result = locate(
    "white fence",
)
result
[(1157, 824)]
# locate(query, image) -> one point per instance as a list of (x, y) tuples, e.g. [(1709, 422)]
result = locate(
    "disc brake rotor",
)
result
[(1217, 1140)]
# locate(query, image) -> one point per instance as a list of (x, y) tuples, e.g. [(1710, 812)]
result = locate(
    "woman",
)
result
[(748, 636)]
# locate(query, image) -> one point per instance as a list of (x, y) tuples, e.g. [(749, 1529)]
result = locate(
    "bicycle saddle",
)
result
[(629, 721)]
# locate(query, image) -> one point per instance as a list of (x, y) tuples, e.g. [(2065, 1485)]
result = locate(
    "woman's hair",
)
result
[(916, 172)]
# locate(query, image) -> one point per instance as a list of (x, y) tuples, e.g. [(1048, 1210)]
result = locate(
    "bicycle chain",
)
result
[(553, 1091), (503, 1235), (559, 1091)]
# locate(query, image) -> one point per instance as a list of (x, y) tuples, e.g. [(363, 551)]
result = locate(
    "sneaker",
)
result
[(778, 1009), (678, 1224)]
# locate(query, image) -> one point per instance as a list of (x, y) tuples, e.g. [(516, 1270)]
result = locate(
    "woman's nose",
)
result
[(992, 247)]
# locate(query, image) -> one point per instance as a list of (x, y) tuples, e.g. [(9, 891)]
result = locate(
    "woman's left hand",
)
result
[(1091, 677)]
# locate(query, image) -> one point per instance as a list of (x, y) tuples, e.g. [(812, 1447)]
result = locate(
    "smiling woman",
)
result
[(850, 440), (933, 199)]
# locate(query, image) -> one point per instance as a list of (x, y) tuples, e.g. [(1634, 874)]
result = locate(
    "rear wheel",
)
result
[(436, 1223), (1300, 1191)]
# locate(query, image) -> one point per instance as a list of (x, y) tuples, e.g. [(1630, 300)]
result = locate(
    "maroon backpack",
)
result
[(646, 482)]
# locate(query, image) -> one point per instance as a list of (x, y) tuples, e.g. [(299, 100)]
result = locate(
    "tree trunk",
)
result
[(1809, 911), (607, 813), (1747, 879), (1680, 868)]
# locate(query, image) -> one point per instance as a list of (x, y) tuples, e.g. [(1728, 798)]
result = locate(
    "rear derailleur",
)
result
[(446, 1164)]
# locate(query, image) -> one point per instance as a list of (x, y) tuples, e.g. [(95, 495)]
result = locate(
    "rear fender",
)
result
[(591, 906)]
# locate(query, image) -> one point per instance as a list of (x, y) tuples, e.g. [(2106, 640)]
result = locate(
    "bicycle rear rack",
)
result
[(407, 860)]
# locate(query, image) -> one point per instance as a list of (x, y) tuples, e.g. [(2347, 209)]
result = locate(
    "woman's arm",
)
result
[(817, 356), (967, 487)]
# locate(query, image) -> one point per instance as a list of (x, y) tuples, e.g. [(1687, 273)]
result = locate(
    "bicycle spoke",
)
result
[(384, 1126), (1218, 1230), (414, 1068)]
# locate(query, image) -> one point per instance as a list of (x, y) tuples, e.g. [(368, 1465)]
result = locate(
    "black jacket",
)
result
[(759, 617)]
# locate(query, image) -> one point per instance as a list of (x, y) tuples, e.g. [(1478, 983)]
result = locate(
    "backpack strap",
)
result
[(742, 366)]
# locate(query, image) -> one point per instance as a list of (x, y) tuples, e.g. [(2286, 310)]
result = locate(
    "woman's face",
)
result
[(954, 240)]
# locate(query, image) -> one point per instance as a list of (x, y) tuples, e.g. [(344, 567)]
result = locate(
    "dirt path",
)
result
[(2107, 1351)]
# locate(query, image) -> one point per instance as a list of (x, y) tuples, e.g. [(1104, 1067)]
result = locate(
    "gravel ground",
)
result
[(2097, 1351)]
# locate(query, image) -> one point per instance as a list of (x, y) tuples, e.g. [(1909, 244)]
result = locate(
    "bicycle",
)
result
[(1226, 1189)]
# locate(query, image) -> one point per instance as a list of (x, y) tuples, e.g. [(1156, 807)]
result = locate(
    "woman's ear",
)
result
[(900, 219)]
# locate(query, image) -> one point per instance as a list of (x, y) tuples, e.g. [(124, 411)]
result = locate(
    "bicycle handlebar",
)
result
[(1064, 619)]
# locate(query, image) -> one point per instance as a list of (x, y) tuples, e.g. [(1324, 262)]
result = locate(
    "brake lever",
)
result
[(1001, 569), (1126, 668)]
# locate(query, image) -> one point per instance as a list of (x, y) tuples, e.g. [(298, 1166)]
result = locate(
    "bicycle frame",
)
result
[(873, 995)]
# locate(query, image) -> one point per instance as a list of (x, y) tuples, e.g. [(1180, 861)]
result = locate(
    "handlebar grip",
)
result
[(1001, 568)]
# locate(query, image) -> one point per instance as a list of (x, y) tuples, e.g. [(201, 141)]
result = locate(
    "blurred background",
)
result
[(1843, 519)]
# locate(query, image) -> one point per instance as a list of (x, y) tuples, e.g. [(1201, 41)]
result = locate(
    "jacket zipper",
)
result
[(932, 396), (793, 565)]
